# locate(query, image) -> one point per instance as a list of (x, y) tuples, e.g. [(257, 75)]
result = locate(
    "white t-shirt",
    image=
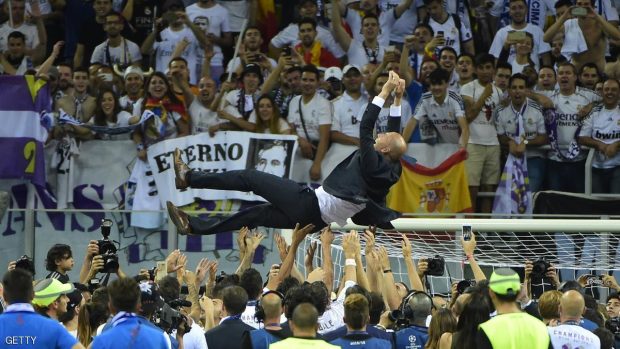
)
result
[(359, 55), (566, 108), (406, 23), (333, 317), (127, 104), (386, 22), (29, 30), (482, 129), (346, 113), (195, 338), (573, 336), (212, 20), (284, 126), (237, 12), (540, 46), (315, 113), (603, 125), (202, 117), (451, 33), (248, 315), (232, 101), (124, 54), (164, 48), (289, 36), (443, 116), (533, 124)]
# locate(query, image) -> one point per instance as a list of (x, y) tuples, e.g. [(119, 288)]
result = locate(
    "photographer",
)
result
[(126, 328), (416, 308)]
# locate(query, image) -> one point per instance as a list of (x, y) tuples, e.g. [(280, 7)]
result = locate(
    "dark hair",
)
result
[(101, 296), (356, 311), (124, 294), (321, 295), (443, 321), (306, 317), (235, 299), (309, 68), (81, 70), (307, 20), (475, 311), (511, 1), (517, 76), (169, 288), (293, 69), (181, 59), (251, 27), (91, 316), (503, 65), (425, 25), (546, 67), (613, 295), (377, 307), (226, 281), (560, 3), (438, 76), (100, 118), (483, 59), (287, 284), (606, 337), (303, 294), (252, 283), (448, 48), (18, 287), (465, 54), (370, 16), (17, 35), (57, 252), (612, 79), (169, 93), (568, 64), (591, 66)]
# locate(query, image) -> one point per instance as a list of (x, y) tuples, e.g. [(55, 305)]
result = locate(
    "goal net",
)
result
[(574, 247)]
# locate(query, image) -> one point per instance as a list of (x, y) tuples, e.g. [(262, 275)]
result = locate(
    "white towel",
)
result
[(574, 41), (145, 198)]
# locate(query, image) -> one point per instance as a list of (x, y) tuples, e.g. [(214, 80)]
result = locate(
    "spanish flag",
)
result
[(443, 189), (267, 21)]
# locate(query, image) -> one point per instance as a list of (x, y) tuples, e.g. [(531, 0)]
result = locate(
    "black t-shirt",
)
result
[(92, 35), (64, 278), (141, 24)]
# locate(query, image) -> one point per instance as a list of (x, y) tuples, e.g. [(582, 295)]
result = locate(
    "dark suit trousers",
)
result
[(288, 202)]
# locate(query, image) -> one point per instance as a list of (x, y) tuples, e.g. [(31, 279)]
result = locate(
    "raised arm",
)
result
[(298, 236), (402, 7), (327, 237), (340, 34), (469, 247), (414, 278)]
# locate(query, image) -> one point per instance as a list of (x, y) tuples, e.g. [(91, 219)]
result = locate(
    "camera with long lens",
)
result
[(540, 268), (436, 266), (107, 249), (25, 263), (613, 325), (463, 285), (169, 318)]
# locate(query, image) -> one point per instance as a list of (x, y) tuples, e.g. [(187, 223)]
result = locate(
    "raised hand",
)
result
[(327, 236), (201, 271), (310, 255), (282, 246), (300, 234), (369, 237), (171, 261), (384, 259), (317, 274), (469, 246), (405, 246), (241, 243), (390, 85)]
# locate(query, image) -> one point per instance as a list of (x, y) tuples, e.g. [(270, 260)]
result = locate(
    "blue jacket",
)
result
[(131, 333), (361, 340), (413, 337), (371, 330)]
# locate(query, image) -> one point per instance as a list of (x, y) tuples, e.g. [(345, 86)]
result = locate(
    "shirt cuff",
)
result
[(378, 101), (395, 111)]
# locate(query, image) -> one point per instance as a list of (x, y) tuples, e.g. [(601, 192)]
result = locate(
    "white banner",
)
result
[(226, 151)]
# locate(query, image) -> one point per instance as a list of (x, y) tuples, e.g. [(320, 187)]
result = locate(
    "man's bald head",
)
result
[(272, 305), (391, 144), (572, 305)]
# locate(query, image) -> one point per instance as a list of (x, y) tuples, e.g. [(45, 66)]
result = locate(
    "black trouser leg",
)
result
[(261, 215)]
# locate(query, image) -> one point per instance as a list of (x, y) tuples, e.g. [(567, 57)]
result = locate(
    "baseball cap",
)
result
[(253, 68), (75, 298), (505, 281), (48, 290), (333, 72), (348, 67)]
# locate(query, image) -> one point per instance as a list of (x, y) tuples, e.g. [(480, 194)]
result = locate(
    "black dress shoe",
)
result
[(180, 170), (179, 219)]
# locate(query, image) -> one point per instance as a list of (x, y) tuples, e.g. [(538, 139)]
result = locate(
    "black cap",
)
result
[(253, 68)]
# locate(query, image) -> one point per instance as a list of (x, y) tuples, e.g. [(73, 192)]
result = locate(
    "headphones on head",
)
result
[(259, 313), (406, 309)]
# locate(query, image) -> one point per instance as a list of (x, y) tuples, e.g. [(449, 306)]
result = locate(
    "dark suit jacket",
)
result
[(366, 175), (228, 335)]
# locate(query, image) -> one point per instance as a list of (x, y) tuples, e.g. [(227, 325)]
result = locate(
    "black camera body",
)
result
[(436, 266), (107, 249), (169, 318), (613, 325), (463, 285), (540, 267), (25, 263)]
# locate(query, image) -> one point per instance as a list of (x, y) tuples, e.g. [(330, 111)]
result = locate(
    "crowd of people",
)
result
[(535, 81), (172, 305)]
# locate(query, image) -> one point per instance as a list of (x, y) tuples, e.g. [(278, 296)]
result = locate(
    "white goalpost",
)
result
[(573, 246)]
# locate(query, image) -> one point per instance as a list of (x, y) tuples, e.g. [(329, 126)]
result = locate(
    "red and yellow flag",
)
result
[(443, 189), (267, 21)]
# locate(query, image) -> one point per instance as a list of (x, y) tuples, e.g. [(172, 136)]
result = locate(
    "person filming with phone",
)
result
[(586, 32)]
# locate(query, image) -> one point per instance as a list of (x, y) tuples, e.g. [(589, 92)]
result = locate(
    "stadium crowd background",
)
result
[(108, 61)]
